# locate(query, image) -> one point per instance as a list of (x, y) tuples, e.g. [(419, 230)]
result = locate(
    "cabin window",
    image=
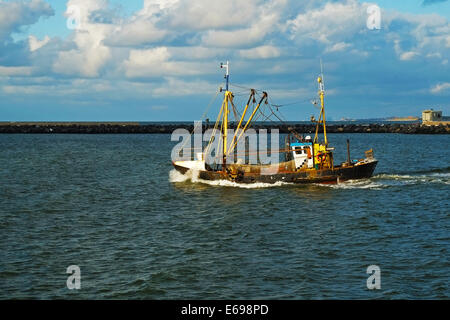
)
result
[(302, 150)]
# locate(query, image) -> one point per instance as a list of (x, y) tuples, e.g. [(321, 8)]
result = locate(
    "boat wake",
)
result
[(192, 176), (354, 184), (407, 179), (385, 180), (435, 170), (377, 182), (176, 176)]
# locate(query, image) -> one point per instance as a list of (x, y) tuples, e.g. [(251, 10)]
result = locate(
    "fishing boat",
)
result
[(306, 159)]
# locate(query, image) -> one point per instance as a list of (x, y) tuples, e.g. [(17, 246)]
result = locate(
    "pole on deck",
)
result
[(348, 152)]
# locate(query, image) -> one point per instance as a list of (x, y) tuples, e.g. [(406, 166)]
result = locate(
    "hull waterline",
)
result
[(337, 174)]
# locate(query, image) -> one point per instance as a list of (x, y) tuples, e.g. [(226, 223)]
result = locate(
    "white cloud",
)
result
[(14, 15), (262, 52), (405, 56), (175, 87), (265, 20), (241, 37), (340, 46), (152, 7), (136, 32), (198, 52), (440, 87), (156, 63), (16, 71), (36, 44), (142, 28), (174, 47), (333, 22), (84, 88), (91, 53), (434, 55), (425, 34), (213, 14)]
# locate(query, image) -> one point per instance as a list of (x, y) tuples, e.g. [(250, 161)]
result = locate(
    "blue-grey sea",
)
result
[(112, 205)]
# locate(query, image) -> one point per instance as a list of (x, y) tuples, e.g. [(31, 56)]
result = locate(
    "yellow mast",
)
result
[(227, 96), (252, 94), (225, 126), (322, 110), (264, 96)]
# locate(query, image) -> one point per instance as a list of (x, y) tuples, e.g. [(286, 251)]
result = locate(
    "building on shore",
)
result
[(433, 117)]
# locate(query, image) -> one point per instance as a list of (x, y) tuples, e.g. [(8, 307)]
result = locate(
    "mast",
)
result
[(226, 111), (227, 73), (322, 109)]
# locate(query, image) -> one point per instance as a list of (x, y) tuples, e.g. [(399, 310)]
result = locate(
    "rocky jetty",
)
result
[(168, 128)]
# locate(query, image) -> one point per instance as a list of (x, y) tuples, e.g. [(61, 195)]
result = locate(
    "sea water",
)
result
[(113, 206)]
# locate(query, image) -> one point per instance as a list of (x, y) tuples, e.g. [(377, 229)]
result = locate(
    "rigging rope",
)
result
[(204, 115)]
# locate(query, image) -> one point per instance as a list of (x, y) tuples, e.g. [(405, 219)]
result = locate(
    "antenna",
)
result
[(227, 73), (321, 82)]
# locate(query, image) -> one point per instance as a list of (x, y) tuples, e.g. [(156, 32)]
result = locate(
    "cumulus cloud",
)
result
[(36, 44), (340, 46), (261, 52), (15, 15), (135, 33), (235, 38), (440, 87), (265, 20), (176, 87), (90, 54), (213, 14), (156, 63), (173, 47), (331, 23), (405, 56), (15, 71), (141, 28)]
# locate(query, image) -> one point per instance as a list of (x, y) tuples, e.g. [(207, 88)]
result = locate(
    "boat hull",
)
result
[(337, 174)]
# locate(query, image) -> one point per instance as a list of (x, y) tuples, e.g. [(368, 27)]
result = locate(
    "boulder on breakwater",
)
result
[(168, 128)]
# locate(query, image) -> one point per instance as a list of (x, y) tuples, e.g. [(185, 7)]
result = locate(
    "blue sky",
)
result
[(155, 60)]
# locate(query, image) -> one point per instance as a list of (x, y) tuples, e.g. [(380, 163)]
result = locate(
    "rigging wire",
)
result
[(267, 106), (203, 115), (276, 105)]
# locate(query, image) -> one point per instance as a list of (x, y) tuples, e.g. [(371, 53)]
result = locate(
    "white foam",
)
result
[(412, 179), (378, 182), (441, 174), (176, 176), (193, 176), (354, 184), (394, 176), (256, 185)]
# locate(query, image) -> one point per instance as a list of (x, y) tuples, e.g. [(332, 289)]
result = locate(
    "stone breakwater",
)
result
[(111, 128)]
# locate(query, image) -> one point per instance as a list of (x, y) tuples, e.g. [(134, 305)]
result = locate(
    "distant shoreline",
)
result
[(169, 127), (403, 119)]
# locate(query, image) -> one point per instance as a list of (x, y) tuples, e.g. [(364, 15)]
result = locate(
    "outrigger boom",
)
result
[(306, 160)]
